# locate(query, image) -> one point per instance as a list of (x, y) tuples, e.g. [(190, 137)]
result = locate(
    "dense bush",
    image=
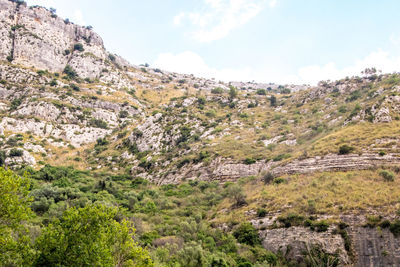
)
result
[(272, 101), (78, 47), (15, 152), (90, 236), (70, 72), (261, 92), (388, 176), (247, 234), (15, 247), (345, 149)]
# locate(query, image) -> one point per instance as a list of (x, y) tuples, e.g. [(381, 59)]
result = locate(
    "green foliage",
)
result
[(291, 219), (217, 90), (249, 161), (261, 212), (268, 178), (273, 101), (247, 234), (316, 256), (281, 157), (345, 149), (279, 180), (15, 103), (395, 228), (53, 82), (354, 96), (235, 192), (74, 87), (78, 47), (70, 72), (123, 114), (388, 176), (111, 57), (90, 236), (233, 92), (15, 152), (261, 92), (2, 158), (98, 123), (342, 109), (211, 113), (15, 249)]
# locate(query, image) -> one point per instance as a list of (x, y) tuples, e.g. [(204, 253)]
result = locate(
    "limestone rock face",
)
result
[(33, 36), (334, 162)]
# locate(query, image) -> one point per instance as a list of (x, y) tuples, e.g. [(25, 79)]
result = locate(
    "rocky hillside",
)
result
[(67, 101)]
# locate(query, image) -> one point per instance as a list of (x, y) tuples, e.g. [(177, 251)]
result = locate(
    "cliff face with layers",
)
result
[(32, 36)]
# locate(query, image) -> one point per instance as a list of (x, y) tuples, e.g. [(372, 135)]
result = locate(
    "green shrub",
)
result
[(261, 92), (320, 226), (2, 158), (233, 92), (98, 123), (78, 47), (74, 87), (211, 113), (94, 238), (395, 228), (345, 149), (53, 82), (388, 176), (249, 161), (123, 114), (268, 177), (291, 219), (342, 109), (279, 180), (281, 157), (247, 234), (217, 90), (15, 152), (70, 72), (261, 212), (111, 57)]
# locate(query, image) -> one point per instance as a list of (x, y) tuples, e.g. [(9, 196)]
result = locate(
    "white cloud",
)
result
[(191, 63), (220, 17), (395, 39), (272, 3), (178, 18), (378, 59), (78, 18)]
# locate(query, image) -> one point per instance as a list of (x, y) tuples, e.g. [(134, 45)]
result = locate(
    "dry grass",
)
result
[(336, 193), (360, 136)]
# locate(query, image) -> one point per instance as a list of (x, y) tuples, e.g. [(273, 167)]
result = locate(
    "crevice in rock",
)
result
[(13, 29)]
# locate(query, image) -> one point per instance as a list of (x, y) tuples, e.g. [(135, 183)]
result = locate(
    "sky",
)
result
[(279, 41)]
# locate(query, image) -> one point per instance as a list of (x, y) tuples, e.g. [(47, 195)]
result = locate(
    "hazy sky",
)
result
[(281, 41)]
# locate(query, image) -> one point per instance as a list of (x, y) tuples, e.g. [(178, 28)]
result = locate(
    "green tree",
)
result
[(235, 192), (15, 249), (90, 236), (247, 234), (233, 92), (272, 101)]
